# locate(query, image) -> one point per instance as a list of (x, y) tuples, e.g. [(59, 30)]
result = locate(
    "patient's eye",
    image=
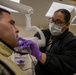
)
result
[(12, 22)]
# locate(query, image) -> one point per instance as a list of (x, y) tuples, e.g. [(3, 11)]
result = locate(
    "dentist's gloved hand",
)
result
[(30, 45)]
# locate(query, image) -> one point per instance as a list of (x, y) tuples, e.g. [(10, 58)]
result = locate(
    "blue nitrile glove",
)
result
[(30, 45)]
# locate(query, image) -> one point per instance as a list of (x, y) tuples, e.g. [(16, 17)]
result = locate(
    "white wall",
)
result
[(72, 28), (25, 33)]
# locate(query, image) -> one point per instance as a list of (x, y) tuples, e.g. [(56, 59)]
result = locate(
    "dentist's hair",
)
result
[(66, 13)]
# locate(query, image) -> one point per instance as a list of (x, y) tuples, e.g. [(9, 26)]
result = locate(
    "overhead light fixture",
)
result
[(18, 1), (73, 22), (55, 6), (9, 9)]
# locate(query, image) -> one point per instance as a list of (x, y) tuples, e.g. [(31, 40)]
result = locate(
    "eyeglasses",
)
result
[(58, 21)]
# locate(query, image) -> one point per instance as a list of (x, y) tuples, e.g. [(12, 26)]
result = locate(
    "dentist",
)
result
[(58, 57)]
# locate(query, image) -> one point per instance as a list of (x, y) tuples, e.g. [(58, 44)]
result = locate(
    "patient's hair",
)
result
[(3, 10), (66, 13)]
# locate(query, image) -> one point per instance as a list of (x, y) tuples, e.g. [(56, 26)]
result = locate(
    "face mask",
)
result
[(55, 29)]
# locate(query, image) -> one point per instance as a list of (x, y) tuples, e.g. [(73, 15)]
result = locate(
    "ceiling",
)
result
[(40, 9)]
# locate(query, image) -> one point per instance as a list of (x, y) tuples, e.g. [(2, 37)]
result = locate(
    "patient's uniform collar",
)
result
[(5, 49)]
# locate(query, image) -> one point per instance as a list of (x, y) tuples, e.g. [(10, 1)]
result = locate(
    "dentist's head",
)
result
[(59, 22)]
